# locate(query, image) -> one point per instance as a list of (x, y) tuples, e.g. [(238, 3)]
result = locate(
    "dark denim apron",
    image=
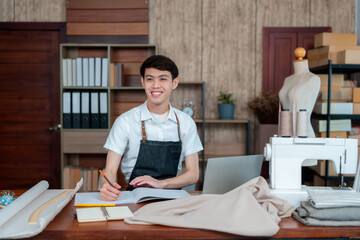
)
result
[(158, 159)]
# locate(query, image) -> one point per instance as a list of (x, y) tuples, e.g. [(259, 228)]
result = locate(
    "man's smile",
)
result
[(156, 93)]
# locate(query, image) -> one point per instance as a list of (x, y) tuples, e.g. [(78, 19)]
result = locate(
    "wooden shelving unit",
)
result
[(79, 145), (334, 69)]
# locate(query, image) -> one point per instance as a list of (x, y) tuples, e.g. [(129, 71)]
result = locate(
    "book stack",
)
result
[(341, 48), (73, 174), (85, 72), (116, 74)]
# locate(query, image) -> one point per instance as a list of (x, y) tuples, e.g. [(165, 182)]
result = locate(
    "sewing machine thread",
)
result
[(301, 123), (286, 123)]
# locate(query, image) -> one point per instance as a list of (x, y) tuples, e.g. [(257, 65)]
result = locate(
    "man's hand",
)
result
[(147, 181), (108, 193)]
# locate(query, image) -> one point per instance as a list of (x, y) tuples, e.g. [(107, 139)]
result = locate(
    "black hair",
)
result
[(160, 62)]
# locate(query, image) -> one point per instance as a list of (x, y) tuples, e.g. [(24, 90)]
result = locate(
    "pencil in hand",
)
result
[(106, 178)]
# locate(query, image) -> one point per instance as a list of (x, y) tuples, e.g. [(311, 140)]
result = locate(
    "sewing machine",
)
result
[(286, 156)]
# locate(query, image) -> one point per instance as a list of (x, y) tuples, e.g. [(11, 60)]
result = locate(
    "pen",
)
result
[(106, 178)]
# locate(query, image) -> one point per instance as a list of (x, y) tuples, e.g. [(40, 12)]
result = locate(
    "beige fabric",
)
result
[(248, 210)]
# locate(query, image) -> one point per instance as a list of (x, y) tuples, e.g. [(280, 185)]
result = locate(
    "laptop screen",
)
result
[(227, 173)]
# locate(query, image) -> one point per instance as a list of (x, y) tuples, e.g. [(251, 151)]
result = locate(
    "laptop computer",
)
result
[(227, 173)]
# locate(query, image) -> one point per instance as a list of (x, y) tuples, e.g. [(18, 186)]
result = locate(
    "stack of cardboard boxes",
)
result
[(341, 48), (341, 103), (345, 95)]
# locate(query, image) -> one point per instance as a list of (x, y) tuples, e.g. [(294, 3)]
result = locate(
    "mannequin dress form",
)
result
[(300, 91)]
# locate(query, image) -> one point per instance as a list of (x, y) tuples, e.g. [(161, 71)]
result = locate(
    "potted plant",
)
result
[(265, 108), (226, 106)]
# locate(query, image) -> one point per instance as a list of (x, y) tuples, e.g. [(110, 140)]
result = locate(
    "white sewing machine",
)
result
[(286, 156)]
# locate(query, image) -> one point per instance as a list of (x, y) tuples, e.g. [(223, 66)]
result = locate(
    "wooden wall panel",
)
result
[(176, 30), (106, 4), (339, 14), (39, 11), (108, 18), (107, 15), (107, 29), (179, 34), (228, 61), (6, 11)]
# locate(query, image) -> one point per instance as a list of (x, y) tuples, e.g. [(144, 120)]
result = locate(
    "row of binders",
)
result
[(73, 174), (85, 72), (85, 109)]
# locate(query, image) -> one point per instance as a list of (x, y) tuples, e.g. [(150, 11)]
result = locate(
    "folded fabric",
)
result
[(321, 198), (337, 214), (317, 222), (249, 210)]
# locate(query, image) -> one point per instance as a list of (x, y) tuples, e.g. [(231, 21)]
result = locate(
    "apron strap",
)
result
[(144, 137), (178, 124)]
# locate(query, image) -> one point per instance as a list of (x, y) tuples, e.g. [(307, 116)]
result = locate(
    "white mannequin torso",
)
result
[(304, 93)]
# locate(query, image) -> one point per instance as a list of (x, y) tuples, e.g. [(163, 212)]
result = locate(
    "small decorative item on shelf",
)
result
[(6, 197), (188, 108), (265, 108), (226, 106)]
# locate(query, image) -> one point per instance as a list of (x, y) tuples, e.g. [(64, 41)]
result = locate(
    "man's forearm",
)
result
[(186, 179)]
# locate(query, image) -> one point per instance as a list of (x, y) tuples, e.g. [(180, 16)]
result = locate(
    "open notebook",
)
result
[(97, 214), (141, 194), (227, 173)]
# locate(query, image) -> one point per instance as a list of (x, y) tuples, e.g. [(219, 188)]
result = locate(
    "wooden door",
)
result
[(29, 104), (279, 44)]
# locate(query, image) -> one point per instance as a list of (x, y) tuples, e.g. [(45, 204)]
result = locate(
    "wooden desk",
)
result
[(65, 226)]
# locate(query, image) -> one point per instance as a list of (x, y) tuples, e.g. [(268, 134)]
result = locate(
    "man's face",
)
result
[(158, 86)]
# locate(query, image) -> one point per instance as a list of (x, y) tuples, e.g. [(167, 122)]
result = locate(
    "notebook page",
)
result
[(92, 214), (118, 213)]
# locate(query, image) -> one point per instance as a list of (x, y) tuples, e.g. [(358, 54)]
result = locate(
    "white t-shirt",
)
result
[(125, 135)]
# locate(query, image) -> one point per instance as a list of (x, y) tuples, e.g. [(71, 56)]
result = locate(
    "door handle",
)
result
[(56, 128)]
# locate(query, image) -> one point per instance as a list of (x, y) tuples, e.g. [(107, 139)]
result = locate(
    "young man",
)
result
[(152, 140)]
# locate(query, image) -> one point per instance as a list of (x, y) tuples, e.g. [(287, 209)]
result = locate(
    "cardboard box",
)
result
[(349, 57), (356, 95), (320, 56), (336, 79), (333, 89), (356, 108), (326, 38), (335, 108), (313, 54), (346, 93), (334, 135), (313, 63), (334, 96)]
